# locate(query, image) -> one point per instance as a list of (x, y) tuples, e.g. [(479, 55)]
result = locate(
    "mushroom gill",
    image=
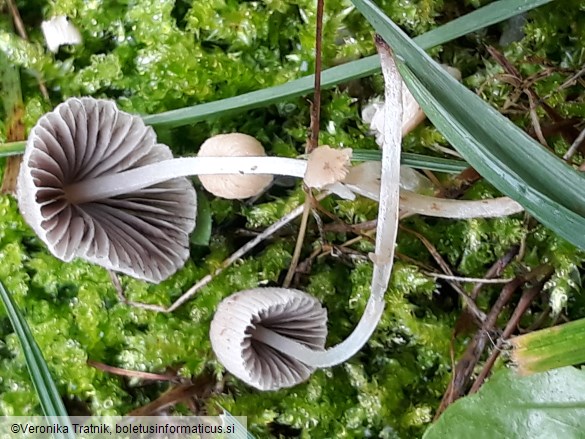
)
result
[(143, 233)]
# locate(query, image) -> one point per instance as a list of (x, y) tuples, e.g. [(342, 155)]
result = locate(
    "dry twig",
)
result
[(476, 313), (464, 368), (19, 25), (312, 143), (225, 264), (133, 373), (201, 388), (525, 301)]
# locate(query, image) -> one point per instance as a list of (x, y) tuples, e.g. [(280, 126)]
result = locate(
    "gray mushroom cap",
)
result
[(290, 313), (144, 233)]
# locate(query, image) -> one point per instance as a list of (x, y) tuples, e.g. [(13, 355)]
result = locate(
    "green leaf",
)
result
[(12, 148), (202, 233), (41, 377), (499, 150), (486, 16), (418, 161), (550, 348), (546, 405)]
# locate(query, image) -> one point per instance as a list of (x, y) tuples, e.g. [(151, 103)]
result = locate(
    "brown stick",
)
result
[(199, 389), (19, 25), (496, 269), (475, 312), (341, 227), (312, 143), (464, 369), (133, 373), (525, 85), (527, 297), (469, 359), (316, 107)]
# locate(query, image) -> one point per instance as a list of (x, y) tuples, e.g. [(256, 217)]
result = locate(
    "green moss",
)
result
[(151, 56)]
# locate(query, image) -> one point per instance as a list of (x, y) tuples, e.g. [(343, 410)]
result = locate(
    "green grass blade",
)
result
[(12, 148), (551, 348), (41, 377), (435, 164), (494, 146), (202, 233), (488, 15), (417, 161)]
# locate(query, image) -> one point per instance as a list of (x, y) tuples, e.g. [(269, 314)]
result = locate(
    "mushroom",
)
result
[(233, 186), (281, 331), (95, 184), (143, 232), (59, 31), (269, 343), (242, 322), (327, 166)]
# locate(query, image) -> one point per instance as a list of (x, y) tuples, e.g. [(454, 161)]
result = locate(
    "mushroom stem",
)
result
[(412, 203), (364, 180), (385, 236), (148, 175)]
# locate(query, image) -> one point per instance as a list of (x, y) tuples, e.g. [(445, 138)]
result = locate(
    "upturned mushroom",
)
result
[(243, 322), (143, 232), (96, 184)]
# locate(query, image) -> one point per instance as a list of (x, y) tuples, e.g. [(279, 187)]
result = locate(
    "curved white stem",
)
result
[(385, 236), (148, 175)]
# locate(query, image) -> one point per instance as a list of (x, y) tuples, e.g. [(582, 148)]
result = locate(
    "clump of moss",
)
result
[(152, 56)]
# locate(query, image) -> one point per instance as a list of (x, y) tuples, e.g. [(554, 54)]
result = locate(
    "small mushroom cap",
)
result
[(233, 186), (291, 313), (412, 113), (59, 31), (326, 165), (144, 233)]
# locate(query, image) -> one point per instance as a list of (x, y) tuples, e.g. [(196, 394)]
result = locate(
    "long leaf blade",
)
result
[(486, 16), (417, 161), (41, 377), (494, 146), (12, 148)]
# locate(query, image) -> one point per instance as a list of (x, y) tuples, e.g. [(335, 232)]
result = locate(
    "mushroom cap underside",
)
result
[(144, 233), (288, 312)]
